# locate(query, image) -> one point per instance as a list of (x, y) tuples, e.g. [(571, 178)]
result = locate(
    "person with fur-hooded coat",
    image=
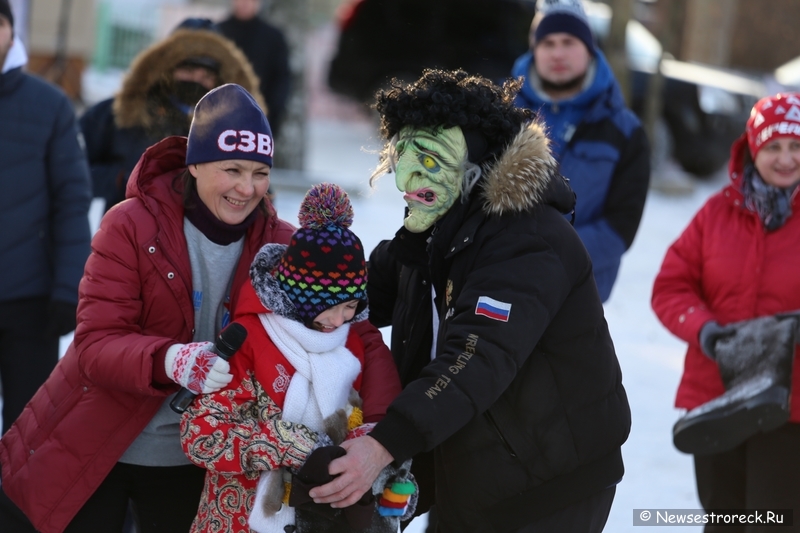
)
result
[(157, 99), (509, 370)]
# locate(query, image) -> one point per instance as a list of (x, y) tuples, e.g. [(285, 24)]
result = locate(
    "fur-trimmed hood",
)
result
[(156, 63), (269, 291), (526, 175)]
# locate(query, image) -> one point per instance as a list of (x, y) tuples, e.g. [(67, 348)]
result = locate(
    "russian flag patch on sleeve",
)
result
[(491, 308)]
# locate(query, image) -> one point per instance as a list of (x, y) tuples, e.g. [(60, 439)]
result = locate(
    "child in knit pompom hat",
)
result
[(323, 266), (301, 370)]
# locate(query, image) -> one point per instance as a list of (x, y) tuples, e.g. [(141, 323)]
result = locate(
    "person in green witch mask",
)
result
[(428, 171), (513, 406)]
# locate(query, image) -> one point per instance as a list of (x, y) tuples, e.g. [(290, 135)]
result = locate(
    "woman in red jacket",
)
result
[(166, 268), (736, 262), (297, 375)]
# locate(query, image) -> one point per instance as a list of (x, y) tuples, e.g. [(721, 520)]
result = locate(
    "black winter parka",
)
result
[(523, 403)]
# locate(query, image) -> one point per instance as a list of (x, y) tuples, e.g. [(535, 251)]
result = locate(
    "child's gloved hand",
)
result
[(195, 367), (313, 473), (315, 470)]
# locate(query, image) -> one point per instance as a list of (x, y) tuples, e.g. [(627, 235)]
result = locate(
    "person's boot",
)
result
[(756, 368)]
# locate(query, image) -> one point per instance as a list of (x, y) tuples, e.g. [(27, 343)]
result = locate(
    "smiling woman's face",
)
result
[(778, 162), (428, 172), (231, 189)]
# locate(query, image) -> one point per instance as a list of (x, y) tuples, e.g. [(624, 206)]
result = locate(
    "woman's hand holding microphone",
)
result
[(196, 367)]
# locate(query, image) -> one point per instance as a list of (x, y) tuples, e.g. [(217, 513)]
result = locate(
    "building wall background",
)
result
[(765, 34)]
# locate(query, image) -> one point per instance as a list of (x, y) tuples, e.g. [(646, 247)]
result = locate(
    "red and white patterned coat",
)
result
[(237, 433)]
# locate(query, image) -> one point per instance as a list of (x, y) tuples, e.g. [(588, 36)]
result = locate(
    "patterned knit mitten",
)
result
[(195, 367)]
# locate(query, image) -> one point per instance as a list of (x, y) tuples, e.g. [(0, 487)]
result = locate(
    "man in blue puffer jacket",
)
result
[(599, 143), (45, 195)]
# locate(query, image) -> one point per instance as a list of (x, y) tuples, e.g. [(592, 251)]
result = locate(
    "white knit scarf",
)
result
[(324, 374)]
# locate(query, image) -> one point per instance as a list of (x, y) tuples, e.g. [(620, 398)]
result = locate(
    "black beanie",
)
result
[(5, 10)]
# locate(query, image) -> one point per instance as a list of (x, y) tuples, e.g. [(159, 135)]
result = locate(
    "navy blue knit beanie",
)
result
[(564, 16), (229, 124)]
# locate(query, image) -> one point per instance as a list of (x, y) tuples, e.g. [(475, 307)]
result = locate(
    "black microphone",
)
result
[(229, 341)]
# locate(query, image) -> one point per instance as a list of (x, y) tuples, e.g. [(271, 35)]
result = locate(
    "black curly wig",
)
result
[(448, 98)]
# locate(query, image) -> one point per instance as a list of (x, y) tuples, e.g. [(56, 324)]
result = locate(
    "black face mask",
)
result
[(188, 92)]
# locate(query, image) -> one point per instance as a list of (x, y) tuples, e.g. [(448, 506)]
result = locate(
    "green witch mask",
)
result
[(429, 171)]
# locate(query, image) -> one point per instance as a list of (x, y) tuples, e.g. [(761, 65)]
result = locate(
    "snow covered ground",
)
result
[(657, 476)]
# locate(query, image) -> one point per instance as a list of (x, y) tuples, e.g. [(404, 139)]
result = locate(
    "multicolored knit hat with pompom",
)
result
[(324, 264)]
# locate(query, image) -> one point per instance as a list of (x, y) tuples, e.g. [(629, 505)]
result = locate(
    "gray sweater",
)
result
[(212, 272)]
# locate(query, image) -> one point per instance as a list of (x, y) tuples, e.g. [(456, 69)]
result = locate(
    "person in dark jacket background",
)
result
[(497, 327), (44, 205), (266, 48), (157, 99), (599, 143)]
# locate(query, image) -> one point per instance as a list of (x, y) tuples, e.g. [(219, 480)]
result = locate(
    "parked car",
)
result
[(704, 108)]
